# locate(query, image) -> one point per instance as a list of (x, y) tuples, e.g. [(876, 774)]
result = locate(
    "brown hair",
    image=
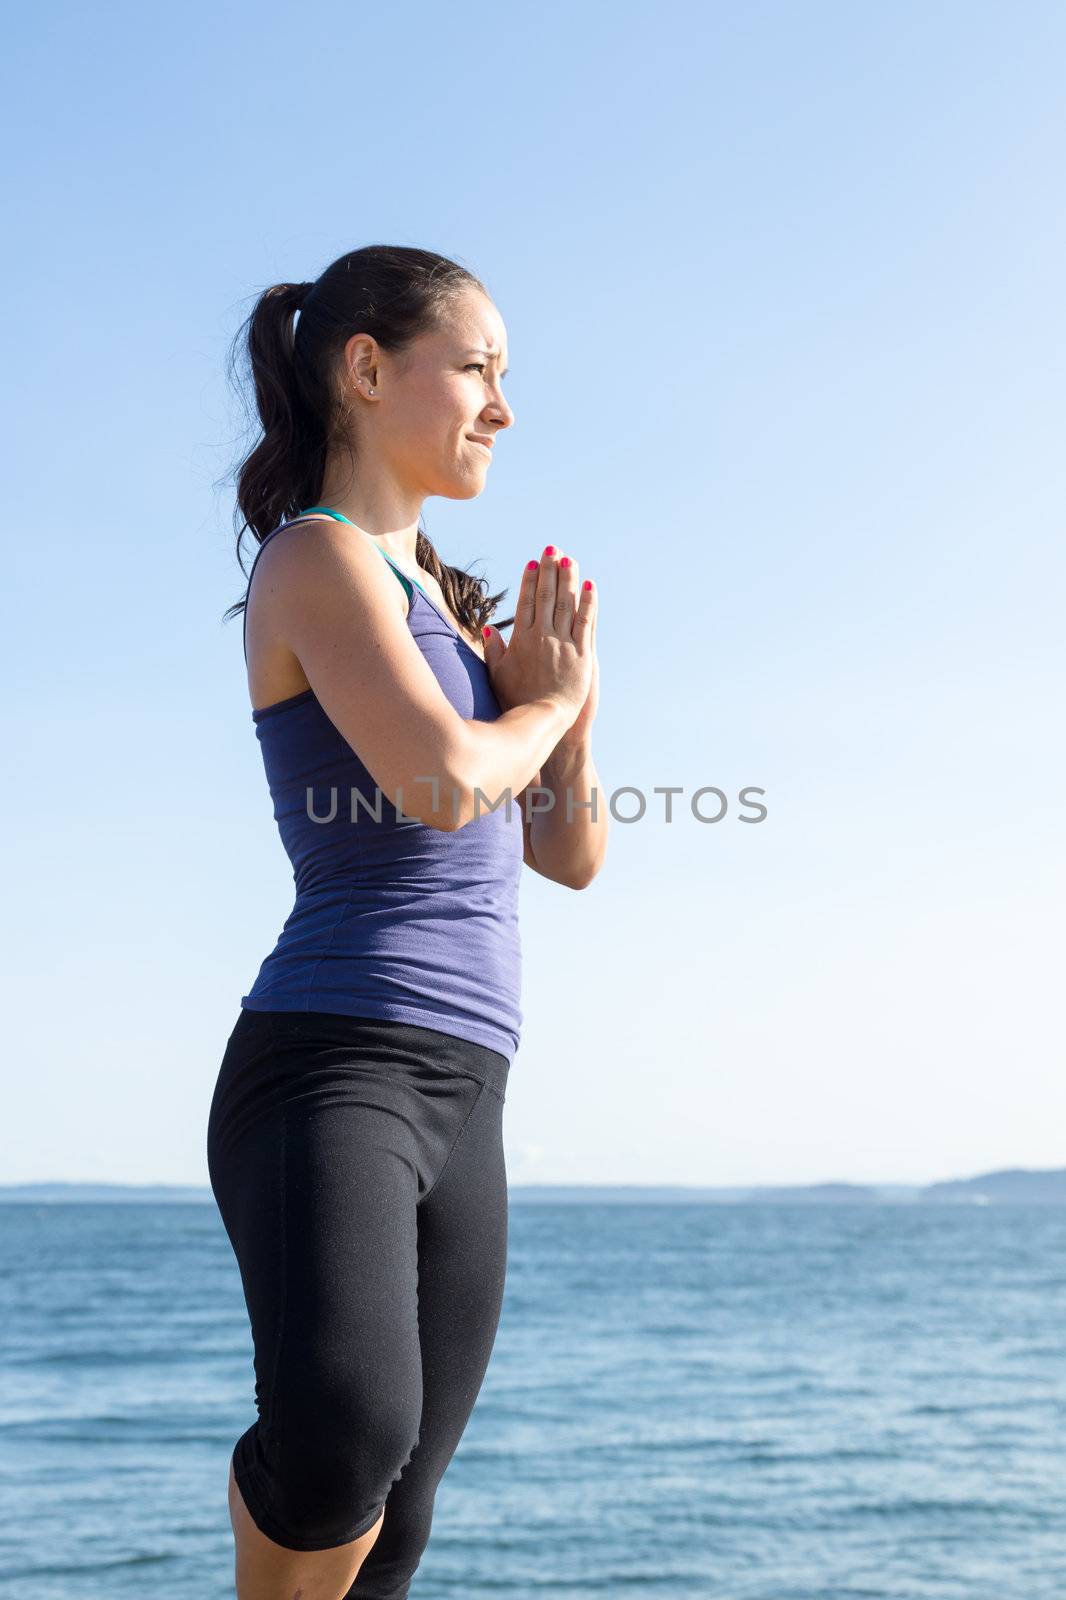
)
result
[(393, 292)]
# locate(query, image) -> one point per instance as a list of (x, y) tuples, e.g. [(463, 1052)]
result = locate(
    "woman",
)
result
[(354, 1138)]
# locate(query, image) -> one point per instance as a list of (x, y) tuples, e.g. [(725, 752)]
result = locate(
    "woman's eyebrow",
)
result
[(475, 350)]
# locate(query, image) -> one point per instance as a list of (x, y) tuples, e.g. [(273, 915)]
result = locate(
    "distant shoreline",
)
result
[(1010, 1186)]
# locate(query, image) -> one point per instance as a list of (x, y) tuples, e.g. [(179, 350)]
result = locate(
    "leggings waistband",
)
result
[(380, 1037)]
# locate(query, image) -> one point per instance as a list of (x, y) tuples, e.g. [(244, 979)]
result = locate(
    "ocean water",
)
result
[(738, 1402)]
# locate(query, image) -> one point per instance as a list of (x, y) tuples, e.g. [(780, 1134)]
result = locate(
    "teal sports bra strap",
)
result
[(340, 517)]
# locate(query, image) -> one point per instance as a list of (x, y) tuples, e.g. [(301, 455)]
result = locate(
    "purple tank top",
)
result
[(392, 918)]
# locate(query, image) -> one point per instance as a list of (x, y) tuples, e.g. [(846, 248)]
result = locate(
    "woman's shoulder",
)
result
[(319, 551), (299, 567)]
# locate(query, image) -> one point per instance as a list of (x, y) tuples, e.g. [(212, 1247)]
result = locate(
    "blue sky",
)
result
[(783, 290)]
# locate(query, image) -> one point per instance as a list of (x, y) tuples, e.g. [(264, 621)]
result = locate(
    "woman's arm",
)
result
[(330, 600), (490, 758), (570, 851), (568, 846)]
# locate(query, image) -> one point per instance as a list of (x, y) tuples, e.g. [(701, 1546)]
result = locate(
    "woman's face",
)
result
[(429, 401)]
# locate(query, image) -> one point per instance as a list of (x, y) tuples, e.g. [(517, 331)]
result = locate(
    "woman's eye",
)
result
[(479, 366)]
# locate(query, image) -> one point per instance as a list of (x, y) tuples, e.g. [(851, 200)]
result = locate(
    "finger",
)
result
[(585, 620), (526, 609), (566, 595), (494, 645), (546, 587)]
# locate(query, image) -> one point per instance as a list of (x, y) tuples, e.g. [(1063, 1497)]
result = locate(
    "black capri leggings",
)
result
[(359, 1171)]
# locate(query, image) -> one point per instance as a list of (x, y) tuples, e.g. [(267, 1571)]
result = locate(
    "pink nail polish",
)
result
[(565, 562), (531, 564), (588, 583), (549, 549)]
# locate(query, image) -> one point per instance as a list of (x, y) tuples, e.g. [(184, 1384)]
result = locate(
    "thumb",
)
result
[(494, 646)]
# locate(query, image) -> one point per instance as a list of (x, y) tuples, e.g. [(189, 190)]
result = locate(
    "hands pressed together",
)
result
[(551, 654)]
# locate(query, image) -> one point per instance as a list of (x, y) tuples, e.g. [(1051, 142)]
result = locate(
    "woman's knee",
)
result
[(333, 1455)]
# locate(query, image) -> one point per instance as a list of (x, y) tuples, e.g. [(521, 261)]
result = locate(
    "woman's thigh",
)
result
[(324, 1135), (462, 1263)]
